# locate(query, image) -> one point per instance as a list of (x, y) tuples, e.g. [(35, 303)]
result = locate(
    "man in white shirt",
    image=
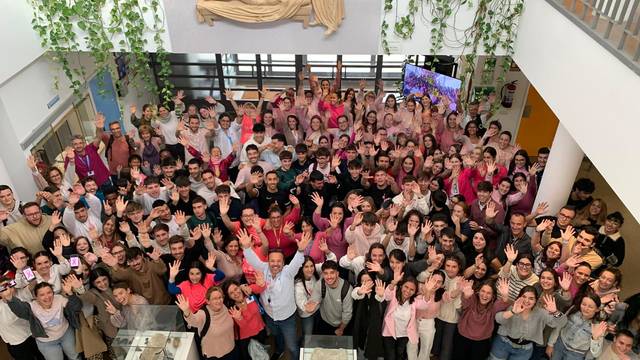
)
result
[(208, 191), (259, 139), (244, 175), (78, 219), (227, 133), (150, 192)]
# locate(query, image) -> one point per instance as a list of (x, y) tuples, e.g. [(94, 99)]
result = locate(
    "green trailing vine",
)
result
[(103, 23), (494, 27)]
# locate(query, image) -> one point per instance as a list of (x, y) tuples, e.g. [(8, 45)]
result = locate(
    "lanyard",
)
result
[(86, 162)]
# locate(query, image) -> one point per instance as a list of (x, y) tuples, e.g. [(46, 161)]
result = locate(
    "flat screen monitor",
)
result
[(418, 80)]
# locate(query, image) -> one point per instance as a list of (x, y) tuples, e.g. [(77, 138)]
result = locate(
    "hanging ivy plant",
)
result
[(103, 22), (494, 26)]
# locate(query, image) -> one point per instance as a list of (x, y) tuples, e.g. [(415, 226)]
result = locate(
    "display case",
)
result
[(325, 347), (154, 333)]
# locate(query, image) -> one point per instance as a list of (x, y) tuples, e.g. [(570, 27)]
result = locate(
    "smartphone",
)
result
[(7, 285), (74, 262), (28, 274)]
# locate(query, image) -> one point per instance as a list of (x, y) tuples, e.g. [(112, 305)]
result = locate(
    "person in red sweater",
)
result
[(195, 289), (245, 311)]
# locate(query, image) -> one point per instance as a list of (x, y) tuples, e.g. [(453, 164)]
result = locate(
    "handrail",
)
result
[(615, 24)]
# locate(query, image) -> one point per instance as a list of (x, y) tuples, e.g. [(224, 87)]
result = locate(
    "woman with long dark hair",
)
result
[(476, 324), (522, 324), (305, 280)]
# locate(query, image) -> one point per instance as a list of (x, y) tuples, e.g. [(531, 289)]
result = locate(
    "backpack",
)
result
[(344, 292), (130, 144), (207, 322)]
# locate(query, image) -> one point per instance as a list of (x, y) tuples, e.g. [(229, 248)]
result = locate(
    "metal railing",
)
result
[(615, 24)]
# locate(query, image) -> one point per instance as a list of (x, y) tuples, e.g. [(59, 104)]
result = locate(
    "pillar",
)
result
[(560, 172)]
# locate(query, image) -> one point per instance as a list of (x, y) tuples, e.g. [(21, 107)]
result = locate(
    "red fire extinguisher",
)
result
[(507, 93)]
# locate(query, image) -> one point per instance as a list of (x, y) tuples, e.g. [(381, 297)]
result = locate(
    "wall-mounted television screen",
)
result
[(418, 80)]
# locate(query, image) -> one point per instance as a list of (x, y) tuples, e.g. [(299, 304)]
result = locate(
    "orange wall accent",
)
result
[(538, 124)]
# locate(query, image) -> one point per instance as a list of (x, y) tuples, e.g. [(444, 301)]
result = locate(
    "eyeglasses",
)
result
[(32, 214), (565, 216), (524, 264)]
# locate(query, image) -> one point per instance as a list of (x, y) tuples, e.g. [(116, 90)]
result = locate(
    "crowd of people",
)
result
[(317, 211)]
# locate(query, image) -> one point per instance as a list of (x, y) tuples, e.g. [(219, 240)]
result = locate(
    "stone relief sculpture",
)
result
[(327, 13)]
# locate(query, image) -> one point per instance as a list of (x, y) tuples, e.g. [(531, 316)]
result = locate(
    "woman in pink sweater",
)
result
[(475, 327), (400, 325)]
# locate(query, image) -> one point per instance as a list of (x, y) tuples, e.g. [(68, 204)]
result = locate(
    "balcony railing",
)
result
[(615, 24)]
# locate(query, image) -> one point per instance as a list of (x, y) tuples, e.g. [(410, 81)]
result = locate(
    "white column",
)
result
[(560, 172)]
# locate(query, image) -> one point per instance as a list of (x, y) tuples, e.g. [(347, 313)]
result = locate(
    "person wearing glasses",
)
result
[(28, 231), (118, 146), (519, 270)]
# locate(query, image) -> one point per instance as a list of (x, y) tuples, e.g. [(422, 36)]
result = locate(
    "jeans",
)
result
[(465, 348), (53, 350), (426, 332), (503, 349), (307, 324), (285, 333), (560, 352)]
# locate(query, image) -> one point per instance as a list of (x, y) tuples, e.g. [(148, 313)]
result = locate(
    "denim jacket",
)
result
[(576, 336)]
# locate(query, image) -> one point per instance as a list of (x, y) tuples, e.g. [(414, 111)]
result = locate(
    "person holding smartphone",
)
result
[(45, 269)]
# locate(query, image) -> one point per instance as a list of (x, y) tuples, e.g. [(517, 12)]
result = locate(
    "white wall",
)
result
[(27, 93), (20, 44), (358, 34), (593, 94)]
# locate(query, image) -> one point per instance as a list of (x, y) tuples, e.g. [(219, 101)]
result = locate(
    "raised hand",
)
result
[(374, 267), (544, 225), (196, 233), (180, 218), (491, 210), (244, 238), (74, 282), (99, 121), (183, 304), (366, 288), (317, 199), (56, 219), (518, 306), (533, 169), (573, 261), (357, 220), (287, 229), (205, 229), (110, 308), (57, 248), (427, 226), (394, 210), (310, 307), (567, 233), (31, 163), (503, 288), (121, 206), (380, 287), (511, 253), (294, 200), (210, 263), (155, 254), (223, 203), (397, 277), (351, 252), (598, 330), (550, 303), (65, 239), (174, 269), (565, 281), (304, 241), (217, 236), (18, 262), (235, 313), (412, 229), (542, 208)]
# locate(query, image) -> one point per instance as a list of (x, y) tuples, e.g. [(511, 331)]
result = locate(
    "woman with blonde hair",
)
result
[(592, 215)]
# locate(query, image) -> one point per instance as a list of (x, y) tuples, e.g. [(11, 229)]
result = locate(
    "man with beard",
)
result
[(28, 231)]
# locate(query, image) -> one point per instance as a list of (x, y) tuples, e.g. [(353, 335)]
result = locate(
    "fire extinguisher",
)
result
[(507, 93)]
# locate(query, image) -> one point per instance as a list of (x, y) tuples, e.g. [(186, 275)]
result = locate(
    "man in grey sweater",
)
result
[(333, 295)]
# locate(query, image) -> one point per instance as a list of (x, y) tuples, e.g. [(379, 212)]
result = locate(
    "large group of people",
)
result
[(317, 211)]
